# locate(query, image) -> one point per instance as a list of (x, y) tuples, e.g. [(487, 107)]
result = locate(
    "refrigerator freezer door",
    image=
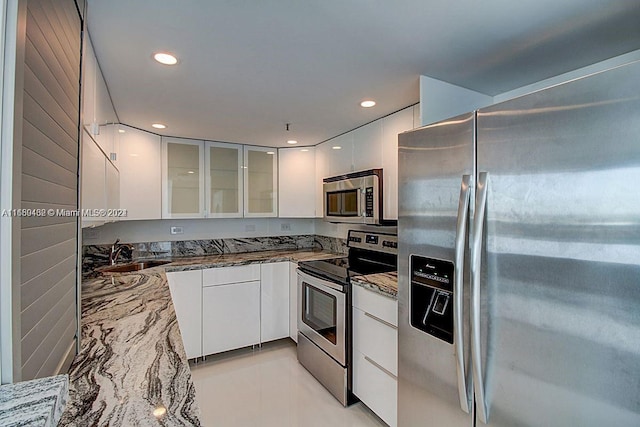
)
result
[(431, 164), (560, 271)]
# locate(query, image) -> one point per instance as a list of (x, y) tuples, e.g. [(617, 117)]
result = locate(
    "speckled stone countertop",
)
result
[(132, 369), (37, 403), (382, 283)]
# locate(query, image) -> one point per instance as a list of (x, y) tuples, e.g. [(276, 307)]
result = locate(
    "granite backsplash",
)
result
[(94, 256)]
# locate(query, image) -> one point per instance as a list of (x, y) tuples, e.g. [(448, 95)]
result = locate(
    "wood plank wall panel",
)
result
[(49, 181)]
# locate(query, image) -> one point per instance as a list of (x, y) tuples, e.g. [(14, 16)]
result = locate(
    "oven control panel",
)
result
[(373, 241)]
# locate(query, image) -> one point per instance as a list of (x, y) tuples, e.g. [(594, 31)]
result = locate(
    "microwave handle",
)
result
[(363, 202)]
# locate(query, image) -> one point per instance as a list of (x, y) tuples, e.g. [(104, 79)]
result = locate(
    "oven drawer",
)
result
[(378, 305), (375, 388)]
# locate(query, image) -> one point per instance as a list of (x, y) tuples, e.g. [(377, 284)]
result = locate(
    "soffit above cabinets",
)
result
[(247, 68)]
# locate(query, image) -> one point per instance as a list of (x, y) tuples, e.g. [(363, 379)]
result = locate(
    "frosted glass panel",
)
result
[(260, 175), (224, 175), (183, 172)]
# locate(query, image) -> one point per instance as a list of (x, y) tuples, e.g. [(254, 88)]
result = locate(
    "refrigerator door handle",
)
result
[(464, 388), (476, 258)]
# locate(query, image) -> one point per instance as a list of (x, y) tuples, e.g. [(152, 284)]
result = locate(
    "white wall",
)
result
[(196, 229), (563, 78), (219, 228), (440, 100)]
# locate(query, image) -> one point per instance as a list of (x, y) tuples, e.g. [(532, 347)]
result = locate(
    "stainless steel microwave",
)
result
[(355, 198)]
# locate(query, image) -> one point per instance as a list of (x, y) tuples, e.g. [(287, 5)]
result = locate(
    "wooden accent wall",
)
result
[(48, 257)]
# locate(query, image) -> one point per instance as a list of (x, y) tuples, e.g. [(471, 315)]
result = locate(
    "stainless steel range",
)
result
[(324, 307)]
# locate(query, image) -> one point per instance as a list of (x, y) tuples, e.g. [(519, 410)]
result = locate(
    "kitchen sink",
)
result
[(133, 266)]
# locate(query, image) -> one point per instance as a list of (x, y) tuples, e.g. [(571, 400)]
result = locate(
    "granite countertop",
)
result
[(132, 369), (226, 260), (382, 283), (38, 402)]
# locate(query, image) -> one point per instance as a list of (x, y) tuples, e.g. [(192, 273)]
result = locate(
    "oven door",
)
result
[(322, 314)]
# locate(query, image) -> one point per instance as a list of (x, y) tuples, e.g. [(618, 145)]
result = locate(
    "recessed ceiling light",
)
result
[(304, 150), (337, 147), (368, 103), (159, 126), (270, 152), (120, 130), (190, 172), (292, 141), (165, 58)]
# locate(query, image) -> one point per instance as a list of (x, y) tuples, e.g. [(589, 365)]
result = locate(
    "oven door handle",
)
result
[(330, 287)]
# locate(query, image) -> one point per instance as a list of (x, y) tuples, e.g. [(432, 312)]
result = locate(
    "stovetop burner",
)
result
[(369, 253)]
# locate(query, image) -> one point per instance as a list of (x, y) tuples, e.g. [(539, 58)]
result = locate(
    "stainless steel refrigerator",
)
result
[(519, 261)]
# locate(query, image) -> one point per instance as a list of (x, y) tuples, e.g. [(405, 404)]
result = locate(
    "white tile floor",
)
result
[(268, 387)]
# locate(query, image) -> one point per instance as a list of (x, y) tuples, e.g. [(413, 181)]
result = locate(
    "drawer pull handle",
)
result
[(377, 365), (384, 322)]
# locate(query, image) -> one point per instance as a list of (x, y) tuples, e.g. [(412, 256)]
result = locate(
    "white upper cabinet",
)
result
[(322, 171), (100, 183), (182, 178), (260, 181), (112, 188), (297, 182), (367, 146), (139, 161), (391, 126), (339, 155), (93, 180), (98, 114), (224, 180), (218, 180)]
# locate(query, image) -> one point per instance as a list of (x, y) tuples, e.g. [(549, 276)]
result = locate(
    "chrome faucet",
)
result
[(116, 249)]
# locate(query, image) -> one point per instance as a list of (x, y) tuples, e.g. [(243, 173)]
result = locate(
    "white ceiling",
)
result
[(248, 67)]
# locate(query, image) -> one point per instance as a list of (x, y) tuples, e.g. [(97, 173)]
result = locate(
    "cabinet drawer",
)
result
[(380, 306), (375, 339), (226, 275), (375, 387)]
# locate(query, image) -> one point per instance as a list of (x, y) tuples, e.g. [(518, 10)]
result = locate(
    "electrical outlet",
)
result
[(285, 226), (177, 230), (250, 227)]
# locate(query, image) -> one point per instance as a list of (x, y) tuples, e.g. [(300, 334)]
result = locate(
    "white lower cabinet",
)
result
[(375, 387), (230, 316), (274, 301), (230, 308), (186, 294), (293, 301), (375, 352), (226, 308)]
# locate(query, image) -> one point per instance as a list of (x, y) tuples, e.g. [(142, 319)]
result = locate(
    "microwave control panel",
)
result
[(368, 201), (431, 296)]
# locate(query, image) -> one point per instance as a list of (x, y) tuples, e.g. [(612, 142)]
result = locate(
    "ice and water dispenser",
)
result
[(432, 296)]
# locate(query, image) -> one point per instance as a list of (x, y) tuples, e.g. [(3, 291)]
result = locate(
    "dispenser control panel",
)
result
[(431, 297)]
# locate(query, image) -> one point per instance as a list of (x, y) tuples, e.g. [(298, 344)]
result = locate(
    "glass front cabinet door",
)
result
[(218, 180), (224, 182), (182, 178), (261, 181)]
